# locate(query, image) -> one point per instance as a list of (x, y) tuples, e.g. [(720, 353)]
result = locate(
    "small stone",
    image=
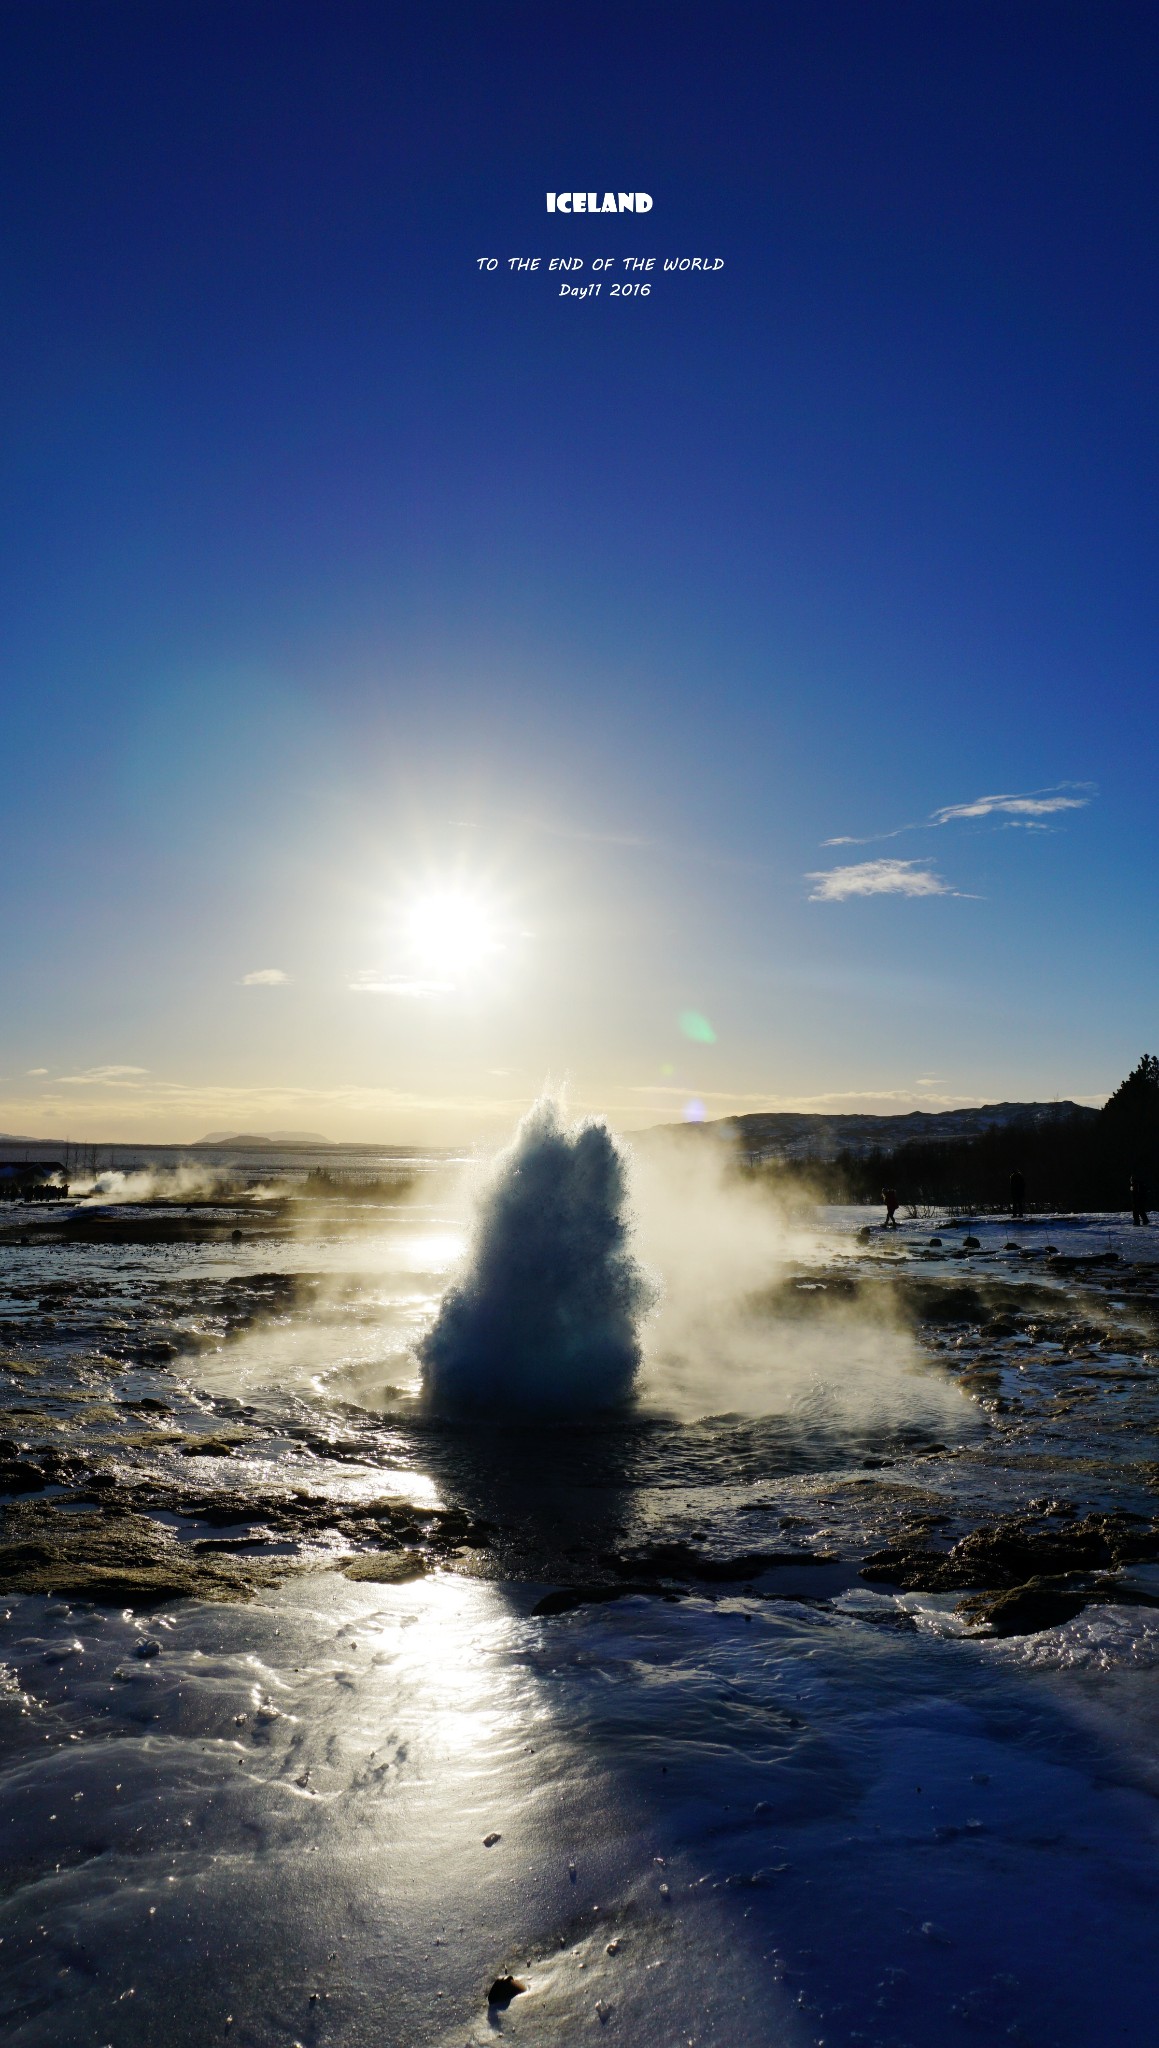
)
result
[(613, 1948), (489, 1841), (148, 1647)]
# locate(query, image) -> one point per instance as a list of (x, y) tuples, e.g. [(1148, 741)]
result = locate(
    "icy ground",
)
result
[(799, 1806)]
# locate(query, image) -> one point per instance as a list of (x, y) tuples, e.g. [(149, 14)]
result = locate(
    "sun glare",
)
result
[(451, 931)]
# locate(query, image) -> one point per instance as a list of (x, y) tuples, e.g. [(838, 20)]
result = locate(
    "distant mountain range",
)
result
[(787, 1134), (254, 1140)]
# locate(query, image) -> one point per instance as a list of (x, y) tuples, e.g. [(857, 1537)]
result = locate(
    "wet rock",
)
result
[(1026, 1610), (381, 1568), (20, 1475), (503, 1990), (681, 1561), (1046, 1603), (1011, 1552), (565, 1598), (943, 1301), (116, 1560)]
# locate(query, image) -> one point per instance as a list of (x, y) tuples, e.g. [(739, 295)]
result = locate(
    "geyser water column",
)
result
[(544, 1321)]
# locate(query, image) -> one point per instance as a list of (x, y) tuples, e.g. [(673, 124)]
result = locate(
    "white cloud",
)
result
[(372, 983), (36, 1070), (1018, 807), (877, 878), (1027, 811), (114, 1076), (264, 977)]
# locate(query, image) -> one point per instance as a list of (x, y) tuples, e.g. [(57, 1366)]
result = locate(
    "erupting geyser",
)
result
[(544, 1321)]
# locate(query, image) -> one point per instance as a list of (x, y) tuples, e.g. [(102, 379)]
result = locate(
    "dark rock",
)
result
[(19, 1475), (680, 1561), (565, 1598), (1010, 1552), (1026, 1610)]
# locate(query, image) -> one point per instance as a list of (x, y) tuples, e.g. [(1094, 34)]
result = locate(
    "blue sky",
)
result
[(341, 580)]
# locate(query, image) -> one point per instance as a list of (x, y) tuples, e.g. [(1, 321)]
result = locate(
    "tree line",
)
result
[(1070, 1159)]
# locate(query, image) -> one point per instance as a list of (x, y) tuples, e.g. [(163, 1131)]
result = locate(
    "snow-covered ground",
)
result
[(730, 1822)]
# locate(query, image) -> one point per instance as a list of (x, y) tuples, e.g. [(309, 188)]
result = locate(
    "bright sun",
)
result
[(451, 930)]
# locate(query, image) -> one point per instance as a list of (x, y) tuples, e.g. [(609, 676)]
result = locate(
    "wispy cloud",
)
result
[(1020, 808), (373, 983), (142, 1106), (1029, 811), (877, 878), (112, 1076), (36, 1070), (265, 977)]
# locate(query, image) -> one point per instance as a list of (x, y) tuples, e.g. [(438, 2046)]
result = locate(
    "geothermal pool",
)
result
[(323, 1713)]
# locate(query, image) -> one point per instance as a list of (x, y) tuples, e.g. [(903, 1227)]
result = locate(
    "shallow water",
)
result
[(790, 1806)]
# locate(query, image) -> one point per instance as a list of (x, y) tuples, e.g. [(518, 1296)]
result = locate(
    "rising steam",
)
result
[(545, 1319)]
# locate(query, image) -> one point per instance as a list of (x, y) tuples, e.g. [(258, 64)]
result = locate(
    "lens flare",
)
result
[(697, 1028)]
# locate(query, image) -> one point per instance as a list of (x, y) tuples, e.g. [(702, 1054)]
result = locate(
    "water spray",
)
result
[(545, 1321)]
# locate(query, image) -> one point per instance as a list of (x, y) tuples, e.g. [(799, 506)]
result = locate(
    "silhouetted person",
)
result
[(1017, 1195), (891, 1198), (1139, 1202)]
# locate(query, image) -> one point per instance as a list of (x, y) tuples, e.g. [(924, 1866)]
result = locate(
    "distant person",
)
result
[(1017, 1196), (1139, 1201), (891, 1198)]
